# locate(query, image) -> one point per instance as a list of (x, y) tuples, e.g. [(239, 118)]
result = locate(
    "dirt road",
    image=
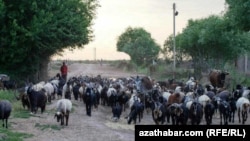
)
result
[(98, 127)]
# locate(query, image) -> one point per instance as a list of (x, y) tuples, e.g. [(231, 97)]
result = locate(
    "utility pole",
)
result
[(175, 13)]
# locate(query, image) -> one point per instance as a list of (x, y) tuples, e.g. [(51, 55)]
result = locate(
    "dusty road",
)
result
[(98, 127)]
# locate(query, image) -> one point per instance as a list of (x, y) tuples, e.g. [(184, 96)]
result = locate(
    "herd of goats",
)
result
[(171, 101)]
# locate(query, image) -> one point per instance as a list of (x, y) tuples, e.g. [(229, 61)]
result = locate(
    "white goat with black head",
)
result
[(63, 109)]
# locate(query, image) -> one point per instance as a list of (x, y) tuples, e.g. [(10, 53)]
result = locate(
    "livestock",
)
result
[(76, 91), (5, 111), (237, 93), (232, 103), (217, 78), (200, 90), (136, 111), (242, 105), (37, 99), (203, 100), (63, 109), (224, 109), (191, 85), (246, 93), (196, 113), (112, 96), (50, 90), (221, 96), (67, 90), (209, 111), (6, 83), (146, 83), (9, 84), (24, 97), (104, 97), (88, 98), (61, 83), (117, 111), (123, 99), (96, 97), (175, 98), (158, 113), (178, 113), (38, 86)]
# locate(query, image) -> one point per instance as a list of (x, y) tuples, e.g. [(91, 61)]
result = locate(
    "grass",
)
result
[(47, 126), (19, 112), (8, 135)]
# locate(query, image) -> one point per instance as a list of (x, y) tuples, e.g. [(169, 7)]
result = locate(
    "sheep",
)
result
[(242, 105), (63, 109), (5, 111)]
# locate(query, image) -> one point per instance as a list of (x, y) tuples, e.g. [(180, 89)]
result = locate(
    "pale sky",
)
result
[(155, 16)]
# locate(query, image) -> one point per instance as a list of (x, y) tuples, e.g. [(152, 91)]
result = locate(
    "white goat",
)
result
[(50, 90), (38, 86), (63, 109), (242, 105)]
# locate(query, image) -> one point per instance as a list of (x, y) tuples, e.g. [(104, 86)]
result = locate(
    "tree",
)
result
[(139, 45), (210, 43), (33, 31), (238, 13)]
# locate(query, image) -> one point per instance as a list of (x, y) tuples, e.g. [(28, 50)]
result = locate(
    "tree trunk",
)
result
[(43, 70)]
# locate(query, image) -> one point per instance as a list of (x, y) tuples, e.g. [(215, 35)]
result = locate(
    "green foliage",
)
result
[(32, 31), (17, 112), (7, 95), (211, 42), (139, 45), (239, 14)]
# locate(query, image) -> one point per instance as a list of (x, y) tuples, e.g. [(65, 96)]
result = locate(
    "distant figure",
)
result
[(64, 71), (101, 62)]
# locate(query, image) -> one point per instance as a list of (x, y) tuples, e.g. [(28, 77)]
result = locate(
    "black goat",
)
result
[(117, 111), (5, 111), (136, 111), (37, 99)]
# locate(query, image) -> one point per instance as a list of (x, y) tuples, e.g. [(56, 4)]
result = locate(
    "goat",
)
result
[(50, 89), (136, 110), (67, 90), (5, 111), (117, 111), (63, 109), (242, 105), (37, 99), (38, 86)]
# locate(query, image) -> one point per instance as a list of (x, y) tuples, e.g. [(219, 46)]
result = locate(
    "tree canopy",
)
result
[(212, 41), (139, 45), (32, 31), (238, 13)]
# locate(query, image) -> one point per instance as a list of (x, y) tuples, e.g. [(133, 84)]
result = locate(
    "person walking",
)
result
[(64, 71)]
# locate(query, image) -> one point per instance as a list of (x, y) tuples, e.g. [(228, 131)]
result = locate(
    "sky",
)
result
[(113, 17)]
